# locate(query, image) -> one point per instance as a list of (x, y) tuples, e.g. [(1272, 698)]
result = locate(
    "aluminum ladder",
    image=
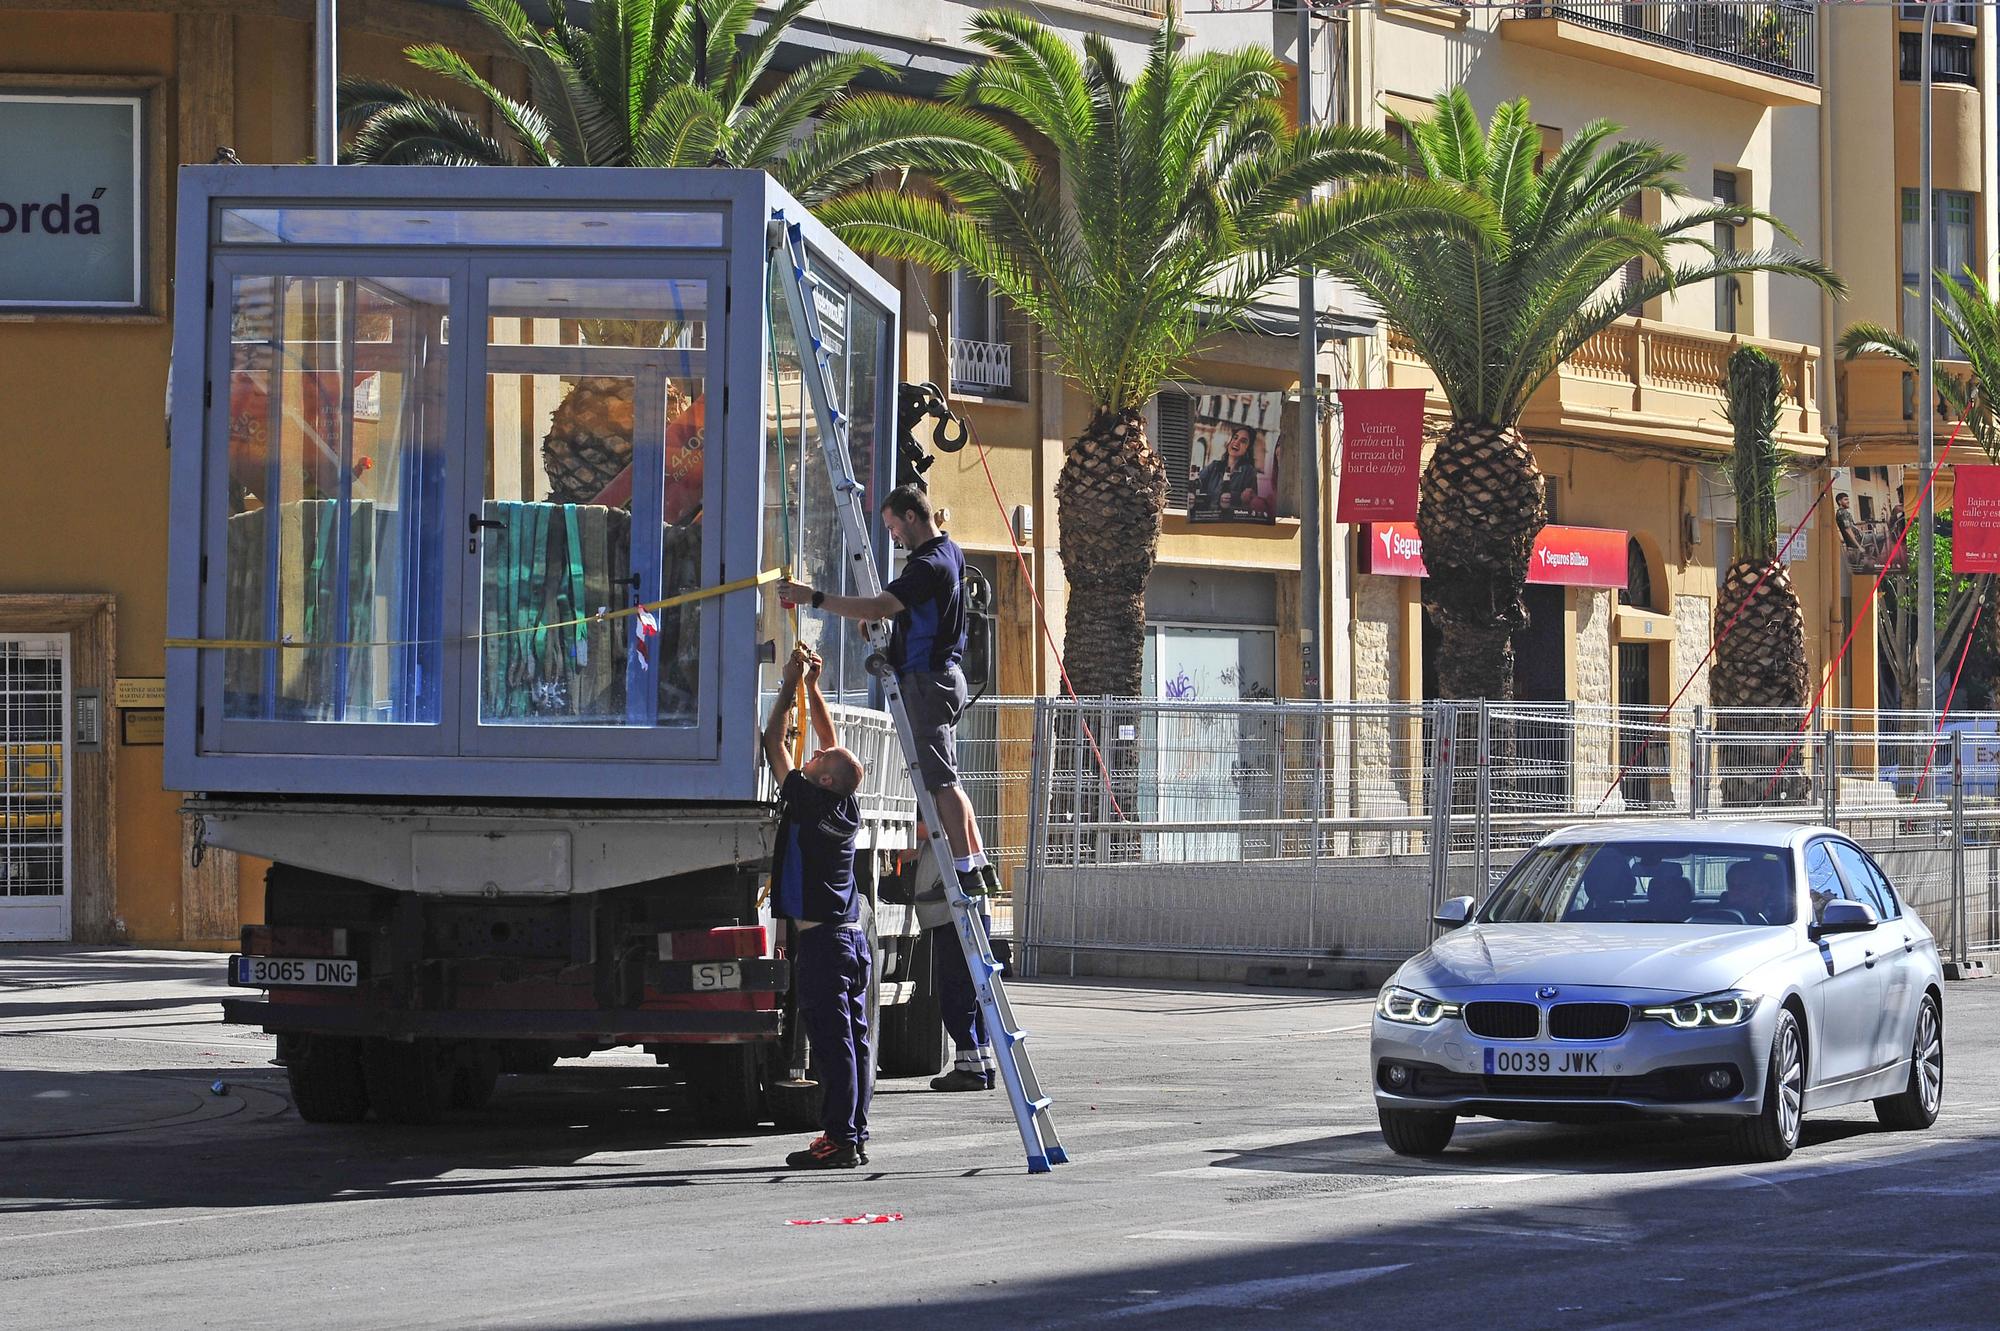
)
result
[(1017, 1072)]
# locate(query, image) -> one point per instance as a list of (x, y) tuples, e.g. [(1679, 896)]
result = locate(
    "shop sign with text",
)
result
[(70, 191), (1975, 520), (1381, 449), (1563, 556)]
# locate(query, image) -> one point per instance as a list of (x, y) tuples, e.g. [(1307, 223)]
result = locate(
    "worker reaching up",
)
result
[(812, 884), (927, 603)]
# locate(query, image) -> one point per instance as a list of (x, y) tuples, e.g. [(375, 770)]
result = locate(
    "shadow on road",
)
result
[(1628, 1147)]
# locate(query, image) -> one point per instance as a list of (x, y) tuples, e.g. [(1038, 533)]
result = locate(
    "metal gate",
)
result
[(34, 788)]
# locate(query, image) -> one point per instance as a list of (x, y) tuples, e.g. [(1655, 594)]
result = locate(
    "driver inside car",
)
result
[(1757, 892)]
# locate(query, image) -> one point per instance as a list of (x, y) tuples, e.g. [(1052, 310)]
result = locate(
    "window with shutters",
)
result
[(1170, 425)]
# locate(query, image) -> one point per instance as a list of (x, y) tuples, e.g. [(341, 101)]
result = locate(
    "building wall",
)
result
[(84, 508), (1408, 57)]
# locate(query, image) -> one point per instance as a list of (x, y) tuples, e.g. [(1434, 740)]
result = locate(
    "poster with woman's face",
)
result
[(1233, 458)]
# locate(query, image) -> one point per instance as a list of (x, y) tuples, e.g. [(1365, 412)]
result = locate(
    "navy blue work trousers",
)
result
[(958, 1000), (834, 964)]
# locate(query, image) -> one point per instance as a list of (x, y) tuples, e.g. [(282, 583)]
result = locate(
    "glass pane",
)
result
[(337, 423), (801, 527), (596, 421), (471, 226)]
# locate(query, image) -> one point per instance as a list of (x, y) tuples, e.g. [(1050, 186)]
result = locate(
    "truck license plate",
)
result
[(709, 975), (290, 972)]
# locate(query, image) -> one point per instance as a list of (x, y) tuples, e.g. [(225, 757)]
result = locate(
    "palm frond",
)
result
[(421, 131)]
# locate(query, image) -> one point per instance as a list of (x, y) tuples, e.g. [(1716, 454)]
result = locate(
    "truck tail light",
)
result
[(736, 940), (286, 940)]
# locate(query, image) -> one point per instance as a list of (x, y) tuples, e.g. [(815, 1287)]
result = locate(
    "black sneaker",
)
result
[(990, 876), (826, 1153), (958, 1079)]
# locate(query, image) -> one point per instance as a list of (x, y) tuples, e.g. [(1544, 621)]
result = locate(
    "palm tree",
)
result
[(1494, 313), (1969, 318), (660, 83), (1173, 200), (667, 83), (1760, 643)]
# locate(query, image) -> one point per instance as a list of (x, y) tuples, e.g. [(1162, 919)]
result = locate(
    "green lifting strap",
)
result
[(778, 415)]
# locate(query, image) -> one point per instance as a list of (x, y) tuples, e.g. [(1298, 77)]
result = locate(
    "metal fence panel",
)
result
[(1332, 830)]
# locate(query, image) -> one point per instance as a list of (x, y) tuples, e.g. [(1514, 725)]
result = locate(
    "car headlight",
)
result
[(1726, 1009), (1411, 1008)]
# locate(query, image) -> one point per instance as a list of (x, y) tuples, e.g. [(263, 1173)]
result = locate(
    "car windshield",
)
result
[(1647, 882)]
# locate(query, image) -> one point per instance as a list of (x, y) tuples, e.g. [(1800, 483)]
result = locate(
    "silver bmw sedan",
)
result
[(1745, 971)]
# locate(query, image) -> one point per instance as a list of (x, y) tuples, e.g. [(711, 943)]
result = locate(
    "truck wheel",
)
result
[(409, 1081), (325, 1074), (723, 1079), (913, 1040), (476, 1076)]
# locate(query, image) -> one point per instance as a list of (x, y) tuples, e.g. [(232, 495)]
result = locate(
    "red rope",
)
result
[(1727, 629), (1949, 694), (1888, 562), (1042, 616)]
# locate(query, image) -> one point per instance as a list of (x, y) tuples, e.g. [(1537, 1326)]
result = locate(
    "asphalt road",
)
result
[(1227, 1174)]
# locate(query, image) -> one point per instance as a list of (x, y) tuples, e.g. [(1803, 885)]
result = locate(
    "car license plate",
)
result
[(290, 972), (1543, 1062), (712, 975)]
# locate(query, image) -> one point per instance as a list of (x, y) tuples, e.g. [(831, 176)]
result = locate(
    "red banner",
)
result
[(1975, 520), (1562, 557), (1381, 449)]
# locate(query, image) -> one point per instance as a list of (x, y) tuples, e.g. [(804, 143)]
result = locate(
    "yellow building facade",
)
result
[(1630, 432)]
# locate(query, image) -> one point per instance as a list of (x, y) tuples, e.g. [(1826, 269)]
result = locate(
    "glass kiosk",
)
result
[(435, 428)]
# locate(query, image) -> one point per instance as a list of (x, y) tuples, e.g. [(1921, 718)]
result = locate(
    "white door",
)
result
[(1198, 771), (34, 788)]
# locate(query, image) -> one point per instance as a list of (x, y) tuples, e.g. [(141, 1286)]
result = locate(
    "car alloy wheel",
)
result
[(1788, 1064), (1930, 1059), (1773, 1133), (1916, 1106)]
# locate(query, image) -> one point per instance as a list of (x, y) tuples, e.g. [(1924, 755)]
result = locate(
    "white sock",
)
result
[(964, 864)]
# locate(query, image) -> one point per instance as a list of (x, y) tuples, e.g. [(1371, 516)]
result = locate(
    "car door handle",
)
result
[(1909, 943), (1868, 959)]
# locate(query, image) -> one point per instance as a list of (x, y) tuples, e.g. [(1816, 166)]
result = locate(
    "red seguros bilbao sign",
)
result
[(1563, 556)]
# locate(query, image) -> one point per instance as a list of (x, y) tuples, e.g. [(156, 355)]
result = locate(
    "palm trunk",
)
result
[(1481, 504), (1760, 662), (1109, 498)]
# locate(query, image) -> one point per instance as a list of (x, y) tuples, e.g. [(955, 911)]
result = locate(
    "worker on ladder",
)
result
[(812, 884), (927, 605)]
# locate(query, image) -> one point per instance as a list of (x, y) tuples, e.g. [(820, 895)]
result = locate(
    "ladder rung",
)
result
[(1014, 1037), (1040, 1103)]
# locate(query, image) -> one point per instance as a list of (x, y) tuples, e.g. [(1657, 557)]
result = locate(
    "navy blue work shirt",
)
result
[(929, 636), (812, 866)]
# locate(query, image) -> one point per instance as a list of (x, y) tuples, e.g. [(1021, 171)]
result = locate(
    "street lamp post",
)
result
[(1311, 642), (1926, 393), (326, 80)]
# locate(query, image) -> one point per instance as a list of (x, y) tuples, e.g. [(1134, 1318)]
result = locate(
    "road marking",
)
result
[(1254, 1293), (1683, 1316)]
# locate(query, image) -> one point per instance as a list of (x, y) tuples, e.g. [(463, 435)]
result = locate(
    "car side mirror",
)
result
[(1845, 917), (1453, 913)]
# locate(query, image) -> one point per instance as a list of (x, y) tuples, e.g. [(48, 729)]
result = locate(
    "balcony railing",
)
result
[(981, 367), (1645, 381), (1775, 37)]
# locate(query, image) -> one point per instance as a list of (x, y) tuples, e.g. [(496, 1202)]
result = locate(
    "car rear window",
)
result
[(1647, 882)]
